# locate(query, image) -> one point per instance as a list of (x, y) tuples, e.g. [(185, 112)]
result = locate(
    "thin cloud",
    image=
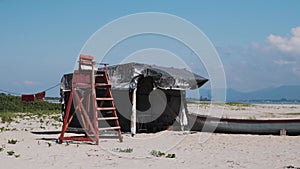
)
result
[(29, 82), (296, 71), (259, 66), (284, 62), (287, 44)]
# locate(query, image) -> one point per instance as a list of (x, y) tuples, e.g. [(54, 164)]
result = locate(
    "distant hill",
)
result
[(278, 93)]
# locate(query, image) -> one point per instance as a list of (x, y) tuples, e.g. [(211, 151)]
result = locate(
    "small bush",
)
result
[(12, 141), (17, 155), (10, 153), (127, 150), (2, 148), (238, 104), (171, 156), (160, 154), (157, 153)]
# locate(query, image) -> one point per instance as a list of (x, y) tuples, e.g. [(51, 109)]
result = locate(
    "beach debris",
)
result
[(126, 150)]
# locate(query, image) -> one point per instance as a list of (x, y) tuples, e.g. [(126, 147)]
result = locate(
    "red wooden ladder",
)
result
[(89, 108)]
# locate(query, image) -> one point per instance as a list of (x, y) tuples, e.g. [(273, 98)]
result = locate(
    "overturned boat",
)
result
[(244, 126)]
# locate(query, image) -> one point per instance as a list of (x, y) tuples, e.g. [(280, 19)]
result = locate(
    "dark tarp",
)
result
[(163, 77)]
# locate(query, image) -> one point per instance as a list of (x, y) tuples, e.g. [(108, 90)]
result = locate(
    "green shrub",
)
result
[(127, 150), (10, 106), (10, 153), (238, 104), (157, 153), (12, 141)]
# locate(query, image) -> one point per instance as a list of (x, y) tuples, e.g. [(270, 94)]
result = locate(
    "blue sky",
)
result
[(257, 41)]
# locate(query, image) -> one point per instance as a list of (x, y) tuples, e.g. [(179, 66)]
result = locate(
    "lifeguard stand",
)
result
[(93, 103)]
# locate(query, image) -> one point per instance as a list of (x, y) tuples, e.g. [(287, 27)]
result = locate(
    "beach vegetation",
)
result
[(292, 114), (17, 155), (49, 144), (12, 107), (2, 148), (57, 118), (170, 156), (240, 104), (126, 150), (162, 154), (157, 153), (10, 153), (12, 141)]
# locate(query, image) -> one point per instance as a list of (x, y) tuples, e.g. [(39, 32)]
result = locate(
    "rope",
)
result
[(9, 92), (52, 87), (18, 94)]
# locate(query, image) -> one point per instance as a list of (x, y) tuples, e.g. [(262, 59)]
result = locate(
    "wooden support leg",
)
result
[(66, 118)]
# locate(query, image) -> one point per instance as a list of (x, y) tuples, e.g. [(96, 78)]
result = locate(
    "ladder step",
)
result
[(100, 71), (108, 118), (87, 86), (86, 62), (86, 57), (102, 85), (106, 108), (105, 98), (110, 128)]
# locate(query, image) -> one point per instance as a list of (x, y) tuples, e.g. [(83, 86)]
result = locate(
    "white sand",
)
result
[(257, 111), (192, 150)]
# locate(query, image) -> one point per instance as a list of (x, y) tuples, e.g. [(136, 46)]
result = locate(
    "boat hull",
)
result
[(243, 126)]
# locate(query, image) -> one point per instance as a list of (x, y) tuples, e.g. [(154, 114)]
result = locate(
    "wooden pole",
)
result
[(133, 114)]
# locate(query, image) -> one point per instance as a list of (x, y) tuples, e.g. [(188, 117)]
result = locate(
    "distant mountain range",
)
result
[(278, 93)]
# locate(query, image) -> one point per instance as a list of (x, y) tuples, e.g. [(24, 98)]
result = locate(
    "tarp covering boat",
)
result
[(163, 77)]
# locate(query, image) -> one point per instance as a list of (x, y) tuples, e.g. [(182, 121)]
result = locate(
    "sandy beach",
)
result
[(36, 146), (251, 111)]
